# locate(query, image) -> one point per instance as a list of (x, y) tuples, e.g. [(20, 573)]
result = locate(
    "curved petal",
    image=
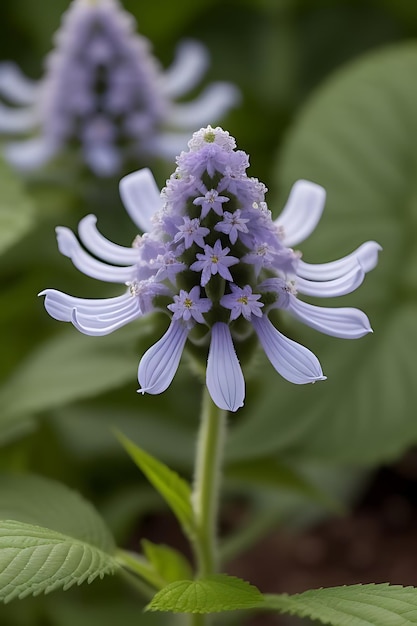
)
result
[(30, 154), (294, 362), (159, 364), (346, 323), (15, 121), (15, 86), (224, 376), (102, 247), (61, 305), (190, 63), (302, 211), (331, 288), (104, 159), (212, 104), (168, 145), (141, 197), (69, 246), (98, 326), (366, 256)]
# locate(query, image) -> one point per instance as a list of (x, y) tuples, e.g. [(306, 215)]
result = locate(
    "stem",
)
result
[(207, 484)]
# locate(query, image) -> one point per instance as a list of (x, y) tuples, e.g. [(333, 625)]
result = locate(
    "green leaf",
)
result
[(209, 595), (50, 538), (270, 472), (66, 368), (16, 211), (175, 490), (355, 605), (167, 562), (358, 138)]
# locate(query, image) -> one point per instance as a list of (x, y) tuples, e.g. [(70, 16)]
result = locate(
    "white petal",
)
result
[(302, 211), (224, 376), (168, 145), (69, 246), (98, 326), (141, 197), (103, 159), (30, 154), (332, 288), (102, 247), (346, 323), (214, 103), (190, 63), (15, 86), (365, 256), (159, 364), (61, 305), (294, 362), (15, 121)]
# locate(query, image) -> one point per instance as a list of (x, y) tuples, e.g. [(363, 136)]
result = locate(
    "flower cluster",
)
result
[(216, 262), (104, 94)]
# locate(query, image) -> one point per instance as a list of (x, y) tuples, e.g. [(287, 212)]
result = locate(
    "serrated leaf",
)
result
[(209, 595), (16, 211), (354, 605), (167, 562), (270, 472), (174, 489), (50, 538), (358, 138)]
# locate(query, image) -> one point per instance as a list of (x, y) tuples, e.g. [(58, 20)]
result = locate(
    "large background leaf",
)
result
[(358, 138)]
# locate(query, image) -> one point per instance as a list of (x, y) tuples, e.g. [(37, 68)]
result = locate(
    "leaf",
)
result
[(358, 138), (170, 564), (354, 605), (50, 538), (270, 472), (209, 595), (16, 211), (66, 368), (175, 490)]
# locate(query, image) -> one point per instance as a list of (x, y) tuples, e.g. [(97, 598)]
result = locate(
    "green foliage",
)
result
[(50, 538), (170, 564), (16, 211), (355, 605), (357, 137), (175, 490), (209, 595)]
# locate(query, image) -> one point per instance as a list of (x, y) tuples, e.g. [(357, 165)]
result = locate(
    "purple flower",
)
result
[(103, 92), (211, 200), (214, 260), (163, 270)]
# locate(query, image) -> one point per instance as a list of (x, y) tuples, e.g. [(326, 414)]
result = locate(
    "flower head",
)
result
[(104, 93), (220, 273)]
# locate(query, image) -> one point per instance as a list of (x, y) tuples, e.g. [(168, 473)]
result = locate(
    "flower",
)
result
[(103, 92), (224, 286)]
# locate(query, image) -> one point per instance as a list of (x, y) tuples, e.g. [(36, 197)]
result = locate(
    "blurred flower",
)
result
[(217, 282), (105, 94)]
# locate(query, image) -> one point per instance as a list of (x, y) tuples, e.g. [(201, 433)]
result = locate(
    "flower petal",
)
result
[(331, 288), (102, 247), (190, 63), (302, 211), (213, 103), (224, 376), (96, 325), (15, 86), (366, 256), (169, 144), (141, 197), (61, 305), (69, 246), (103, 158), (294, 362), (346, 323), (30, 154), (159, 364), (14, 121)]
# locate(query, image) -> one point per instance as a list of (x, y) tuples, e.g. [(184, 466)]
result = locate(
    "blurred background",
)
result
[(326, 473)]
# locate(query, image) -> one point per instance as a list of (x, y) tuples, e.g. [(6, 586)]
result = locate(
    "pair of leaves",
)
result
[(360, 605)]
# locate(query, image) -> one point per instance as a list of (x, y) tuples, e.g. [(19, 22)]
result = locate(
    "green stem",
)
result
[(207, 484)]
